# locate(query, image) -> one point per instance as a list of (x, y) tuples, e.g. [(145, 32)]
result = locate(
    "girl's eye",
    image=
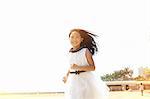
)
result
[(72, 37)]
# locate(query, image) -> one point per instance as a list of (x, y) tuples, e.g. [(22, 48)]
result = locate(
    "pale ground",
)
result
[(113, 95)]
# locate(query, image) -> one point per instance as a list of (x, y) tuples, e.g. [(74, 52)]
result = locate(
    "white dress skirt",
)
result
[(85, 85)]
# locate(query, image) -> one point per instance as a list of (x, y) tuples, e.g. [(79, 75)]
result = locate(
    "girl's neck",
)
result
[(75, 49)]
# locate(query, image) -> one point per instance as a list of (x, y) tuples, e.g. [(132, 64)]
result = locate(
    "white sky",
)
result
[(34, 39)]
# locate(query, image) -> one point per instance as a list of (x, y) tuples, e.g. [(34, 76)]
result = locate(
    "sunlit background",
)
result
[(34, 39)]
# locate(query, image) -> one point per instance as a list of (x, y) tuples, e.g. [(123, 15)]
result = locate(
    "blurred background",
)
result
[(34, 40)]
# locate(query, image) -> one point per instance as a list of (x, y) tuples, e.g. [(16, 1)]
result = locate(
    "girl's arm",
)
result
[(90, 67), (68, 73), (66, 77)]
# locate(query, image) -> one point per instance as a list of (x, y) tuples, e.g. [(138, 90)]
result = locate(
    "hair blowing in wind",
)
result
[(88, 40)]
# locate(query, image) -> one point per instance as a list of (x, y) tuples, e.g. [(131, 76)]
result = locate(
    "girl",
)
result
[(81, 82)]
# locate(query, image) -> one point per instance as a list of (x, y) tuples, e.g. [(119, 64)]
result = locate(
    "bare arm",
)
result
[(66, 76), (68, 73)]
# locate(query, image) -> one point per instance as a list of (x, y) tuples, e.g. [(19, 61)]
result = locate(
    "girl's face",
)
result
[(75, 39)]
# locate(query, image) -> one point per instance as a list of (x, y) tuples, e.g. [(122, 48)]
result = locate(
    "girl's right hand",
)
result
[(74, 67), (65, 79)]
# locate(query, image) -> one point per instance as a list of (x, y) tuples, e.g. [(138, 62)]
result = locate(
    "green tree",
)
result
[(139, 78), (124, 74)]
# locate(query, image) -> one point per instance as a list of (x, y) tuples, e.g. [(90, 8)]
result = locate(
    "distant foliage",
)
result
[(145, 75), (124, 74), (139, 78)]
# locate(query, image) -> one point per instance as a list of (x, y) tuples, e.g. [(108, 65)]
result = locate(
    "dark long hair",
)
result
[(88, 40)]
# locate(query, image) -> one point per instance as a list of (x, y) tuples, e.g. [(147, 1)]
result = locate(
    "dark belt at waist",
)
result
[(77, 72)]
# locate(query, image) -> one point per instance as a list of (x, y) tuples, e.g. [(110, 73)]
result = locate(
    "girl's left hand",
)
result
[(74, 66), (65, 79)]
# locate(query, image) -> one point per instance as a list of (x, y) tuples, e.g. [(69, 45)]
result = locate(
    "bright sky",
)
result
[(34, 39)]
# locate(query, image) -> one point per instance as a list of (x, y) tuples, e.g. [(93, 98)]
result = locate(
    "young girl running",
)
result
[(81, 83)]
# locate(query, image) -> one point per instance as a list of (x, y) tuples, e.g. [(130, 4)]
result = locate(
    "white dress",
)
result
[(85, 85)]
